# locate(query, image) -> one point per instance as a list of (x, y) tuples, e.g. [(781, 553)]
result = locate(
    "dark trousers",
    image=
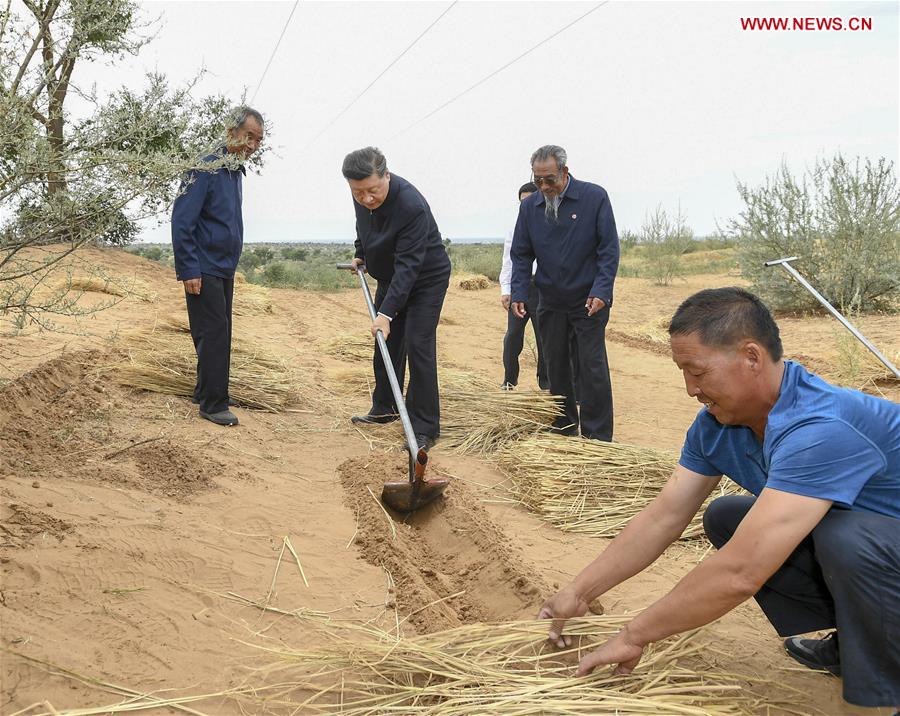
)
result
[(209, 315), (845, 575), (564, 331), (413, 337), (515, 339)]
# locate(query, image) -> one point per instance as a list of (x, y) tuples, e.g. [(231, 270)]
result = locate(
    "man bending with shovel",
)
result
[(398, 243)]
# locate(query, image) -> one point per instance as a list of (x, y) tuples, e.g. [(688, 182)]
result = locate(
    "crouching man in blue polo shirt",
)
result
[(818, 542)]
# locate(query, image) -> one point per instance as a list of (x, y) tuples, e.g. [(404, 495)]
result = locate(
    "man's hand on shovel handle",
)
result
[(381, 323)]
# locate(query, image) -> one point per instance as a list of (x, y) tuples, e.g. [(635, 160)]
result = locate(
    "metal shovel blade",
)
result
[(410, 495)]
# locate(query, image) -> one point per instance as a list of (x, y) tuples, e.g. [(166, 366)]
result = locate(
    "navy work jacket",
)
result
[(577, 255), (399, 243), (207, 224)]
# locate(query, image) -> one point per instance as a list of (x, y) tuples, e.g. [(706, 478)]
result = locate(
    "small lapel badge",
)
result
[(574, 216)]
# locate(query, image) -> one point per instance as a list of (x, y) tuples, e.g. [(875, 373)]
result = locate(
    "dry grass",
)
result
[(499, 669), (655, 331), (856, 366), (473, 282), (163, 360), (122, 287), (251, 300), (349, 346), (476, 416), (479, 669), (589, 486)]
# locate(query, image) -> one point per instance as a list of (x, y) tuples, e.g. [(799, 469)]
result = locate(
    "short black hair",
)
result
[(529, 187), (238, 115), (724, 316), (363, 163)]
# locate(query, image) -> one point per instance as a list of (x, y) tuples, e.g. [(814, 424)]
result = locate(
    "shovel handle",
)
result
[(389, 369)]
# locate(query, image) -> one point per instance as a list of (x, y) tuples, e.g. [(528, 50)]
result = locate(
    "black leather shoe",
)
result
[(223, 417), (425, 442), (370, 419)]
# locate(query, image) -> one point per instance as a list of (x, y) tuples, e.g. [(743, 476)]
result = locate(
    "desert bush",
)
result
[(316, 272), (841, 219), (276, 274), (483, 259), (627, 240), (154, 254), (294, 254), (665, 240)]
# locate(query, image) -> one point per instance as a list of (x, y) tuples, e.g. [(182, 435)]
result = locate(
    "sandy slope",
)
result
[(133, 563)]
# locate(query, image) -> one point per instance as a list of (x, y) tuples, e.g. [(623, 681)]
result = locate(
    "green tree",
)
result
[(841, 219), (263, 254), (294, 253)]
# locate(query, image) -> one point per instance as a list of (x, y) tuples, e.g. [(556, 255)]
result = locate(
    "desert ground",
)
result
[(145, 565)]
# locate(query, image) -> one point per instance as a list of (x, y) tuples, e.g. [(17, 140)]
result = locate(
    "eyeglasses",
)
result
[(548, 180)]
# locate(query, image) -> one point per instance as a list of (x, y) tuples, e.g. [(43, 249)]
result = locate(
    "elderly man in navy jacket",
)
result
[(398, 241), (570, 229), (207, 238)]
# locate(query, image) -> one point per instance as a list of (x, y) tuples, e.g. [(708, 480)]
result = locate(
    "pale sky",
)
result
[(660, 103)]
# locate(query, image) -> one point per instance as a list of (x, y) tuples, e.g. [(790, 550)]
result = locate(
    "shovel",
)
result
[(402, 496)]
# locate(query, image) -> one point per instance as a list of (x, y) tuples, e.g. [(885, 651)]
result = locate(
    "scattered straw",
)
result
[(502, 669), (287, 541), (275, 574), (588, 486), (386, 515)]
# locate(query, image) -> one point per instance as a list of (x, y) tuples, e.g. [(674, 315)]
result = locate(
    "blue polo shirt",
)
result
[(821, 441), (577, 255), (207, 223)]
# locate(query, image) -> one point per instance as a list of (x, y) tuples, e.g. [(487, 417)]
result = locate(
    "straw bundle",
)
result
[(655, 331), (589, 486), (474, 283), (250, 300), (164, 361), (476, 416), (506, 668), (349, 346), (652, 335), (112, 287)]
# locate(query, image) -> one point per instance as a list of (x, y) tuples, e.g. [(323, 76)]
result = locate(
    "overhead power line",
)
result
[(498, 70), (274, 50), (380, 75)]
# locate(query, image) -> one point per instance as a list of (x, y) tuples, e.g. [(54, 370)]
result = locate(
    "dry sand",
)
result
[(134, 536)]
